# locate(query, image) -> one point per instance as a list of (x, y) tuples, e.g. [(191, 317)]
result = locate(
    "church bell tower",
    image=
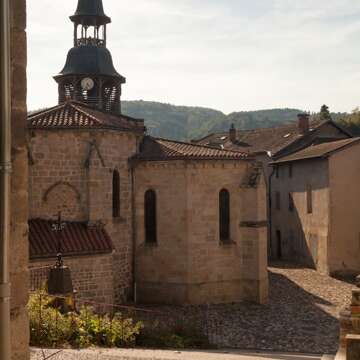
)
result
[(89, 75)]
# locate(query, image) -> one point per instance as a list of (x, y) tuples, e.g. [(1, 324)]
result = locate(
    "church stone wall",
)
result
[(162, 268), (225, 272), (72, 171), (19, 190), (189, 264), (92, 276)]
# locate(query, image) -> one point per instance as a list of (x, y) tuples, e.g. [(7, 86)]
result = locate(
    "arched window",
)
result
[(116, 194), (224, 215), (150, 217)]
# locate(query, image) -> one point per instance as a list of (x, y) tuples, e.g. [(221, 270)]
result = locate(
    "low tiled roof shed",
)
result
[(77, 239)]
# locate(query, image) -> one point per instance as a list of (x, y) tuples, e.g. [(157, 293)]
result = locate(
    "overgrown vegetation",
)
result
[(51, 327)]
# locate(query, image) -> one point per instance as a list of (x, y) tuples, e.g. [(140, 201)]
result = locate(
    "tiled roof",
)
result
[(270, 140), (153, 149), (75, 115), (319, 151), (76, 239)]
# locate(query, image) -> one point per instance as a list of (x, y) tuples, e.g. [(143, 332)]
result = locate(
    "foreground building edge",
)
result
[(19, 185)]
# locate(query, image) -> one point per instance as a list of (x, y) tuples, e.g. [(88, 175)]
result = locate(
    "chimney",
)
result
[(303, 123), (232, 133)]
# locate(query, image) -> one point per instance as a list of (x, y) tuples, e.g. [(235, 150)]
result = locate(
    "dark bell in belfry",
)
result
[(59, 281)]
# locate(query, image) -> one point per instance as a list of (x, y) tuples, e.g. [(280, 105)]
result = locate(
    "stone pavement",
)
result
[(123, 354), (301, 316)]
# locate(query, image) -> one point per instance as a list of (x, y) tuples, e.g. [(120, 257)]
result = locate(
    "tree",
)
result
[(325, 113)]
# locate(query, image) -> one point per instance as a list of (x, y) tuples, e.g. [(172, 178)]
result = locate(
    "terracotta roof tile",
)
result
[(318, 151), (153, 149), (260, 140), (77, 239), (75, 115)]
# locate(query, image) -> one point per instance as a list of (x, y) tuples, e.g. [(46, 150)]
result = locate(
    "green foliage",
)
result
[(182, 337), (50, 327), (325, 113), (351, 122), (187, 123)]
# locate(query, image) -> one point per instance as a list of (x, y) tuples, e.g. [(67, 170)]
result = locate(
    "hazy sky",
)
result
[(226, 54)]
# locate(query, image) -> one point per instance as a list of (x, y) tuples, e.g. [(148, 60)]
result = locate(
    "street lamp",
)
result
[(59, 280)]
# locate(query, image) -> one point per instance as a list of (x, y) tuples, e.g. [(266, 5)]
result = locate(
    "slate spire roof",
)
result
[(76, 115), (155, 149)]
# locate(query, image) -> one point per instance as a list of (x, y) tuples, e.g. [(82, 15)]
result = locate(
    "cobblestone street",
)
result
[(301, 315)]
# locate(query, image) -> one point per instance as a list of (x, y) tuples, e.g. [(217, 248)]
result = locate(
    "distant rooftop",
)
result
[(319, 151), (270, 140), (153, 149)]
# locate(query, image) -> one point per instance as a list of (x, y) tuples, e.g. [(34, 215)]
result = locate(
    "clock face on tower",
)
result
[(87, 83)]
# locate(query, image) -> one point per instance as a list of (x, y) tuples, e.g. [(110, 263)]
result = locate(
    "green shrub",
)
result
[(49, 327)]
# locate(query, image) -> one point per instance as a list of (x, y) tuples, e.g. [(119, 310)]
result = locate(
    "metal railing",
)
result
[(38, 277)]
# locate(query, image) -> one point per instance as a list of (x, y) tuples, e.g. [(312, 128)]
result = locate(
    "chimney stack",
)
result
[(232, 133), (303, 123)]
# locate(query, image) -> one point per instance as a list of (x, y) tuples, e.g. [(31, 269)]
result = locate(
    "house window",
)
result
[(277, 200), (150, 217), (291, 202), (224, 215), (309, 199), (116, 194), (290, 170)]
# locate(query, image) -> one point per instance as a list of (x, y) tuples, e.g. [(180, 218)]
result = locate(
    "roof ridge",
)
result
[(304, 154), (86, 113), (46, 110), (199, 145)]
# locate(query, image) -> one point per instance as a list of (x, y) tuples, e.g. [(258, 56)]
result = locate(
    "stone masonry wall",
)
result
[(92, 276), (19, 191), (61, 180), (189, 264), (162, 268), (225, 272)]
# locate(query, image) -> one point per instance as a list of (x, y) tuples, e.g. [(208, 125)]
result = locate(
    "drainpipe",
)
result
[(133, 225), (5, 168), (270, 208)]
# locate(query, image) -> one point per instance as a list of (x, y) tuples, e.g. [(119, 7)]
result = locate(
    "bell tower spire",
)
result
[(89, 75), (91, 19)]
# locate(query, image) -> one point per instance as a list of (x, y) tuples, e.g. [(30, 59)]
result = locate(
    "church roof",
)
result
[(76, 115), (319, 151), (90, 60), (155, 149), (271, 140), (76, 239), (90, 12)]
